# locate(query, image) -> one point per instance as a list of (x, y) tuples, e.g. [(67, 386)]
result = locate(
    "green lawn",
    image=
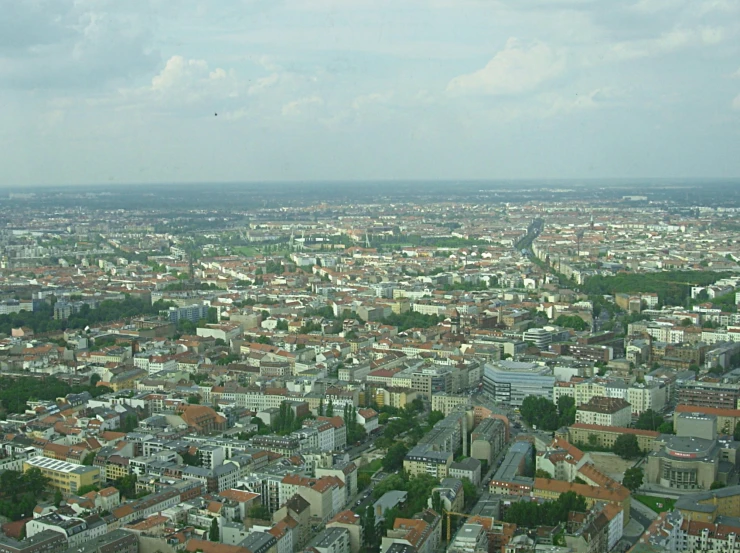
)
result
[(247, 251), (373, 467), (657, 504)]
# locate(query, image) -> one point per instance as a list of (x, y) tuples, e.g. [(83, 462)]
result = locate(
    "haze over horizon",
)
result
[(150, 91)]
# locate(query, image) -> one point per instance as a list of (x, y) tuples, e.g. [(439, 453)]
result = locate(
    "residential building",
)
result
[(605, 436), (351, 522), (425, 459), (605, 411), (63, 476), (47, 541), (469, 468), (488, 439)]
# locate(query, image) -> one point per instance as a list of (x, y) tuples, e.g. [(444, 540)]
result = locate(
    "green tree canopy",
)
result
[(649, 420), (572, 321), (626, 446), (394, 457), (632, 479), (540, 412)]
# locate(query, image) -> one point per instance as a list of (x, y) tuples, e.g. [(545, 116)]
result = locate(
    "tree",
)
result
[(437, 502), (540, 412), (259, 512), (626, 446), (130, 422), (213, 534), (550, 513), (370, 529), (87, 489), (566, 411), (649, 420), (736, 433), (434, 417), (88, 459), (330, 409), (394, 457), (94, 379), (126, 485), (58, 498), (194, 400), (541, 473), (633, 478), (470, 492), (321, 407), (717, 485), (571, 321), (666, 428)]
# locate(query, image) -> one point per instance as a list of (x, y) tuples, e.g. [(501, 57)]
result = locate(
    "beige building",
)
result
[(605, 411), (605, 436), (446, 403), (353, 524), (63, 476), (395, 397), (424, 459)]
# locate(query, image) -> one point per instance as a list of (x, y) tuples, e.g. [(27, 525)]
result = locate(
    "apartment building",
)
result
[(487, 440), (446, 403), (605, 411), (425, 459), (63, 476), (422, 534), (352, 523), (605, 436), (47, 541), (708, 393)]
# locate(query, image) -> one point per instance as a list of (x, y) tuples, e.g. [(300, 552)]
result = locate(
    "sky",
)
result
[(163, 91)]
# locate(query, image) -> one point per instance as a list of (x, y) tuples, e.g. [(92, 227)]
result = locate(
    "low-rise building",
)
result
[(63, 476)]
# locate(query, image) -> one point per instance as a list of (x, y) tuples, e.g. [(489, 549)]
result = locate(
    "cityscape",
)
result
[(465, 367), (369, 276)]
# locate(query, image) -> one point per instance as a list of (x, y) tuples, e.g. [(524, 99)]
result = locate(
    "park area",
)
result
[(657, 504)]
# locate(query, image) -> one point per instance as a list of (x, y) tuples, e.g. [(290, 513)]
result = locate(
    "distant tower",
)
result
[(592, 221), (367, 240), (292, 240), (455, 321), (579, 237)]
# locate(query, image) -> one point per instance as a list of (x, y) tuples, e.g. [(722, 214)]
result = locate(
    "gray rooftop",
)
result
[(466, 464)]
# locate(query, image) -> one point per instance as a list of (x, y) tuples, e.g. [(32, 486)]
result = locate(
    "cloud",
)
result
[(264, 84), (302, 106), (516, 69), (666, 43), (192, 80), (736, 102), (361, 102), (598, 98), (66, 44)]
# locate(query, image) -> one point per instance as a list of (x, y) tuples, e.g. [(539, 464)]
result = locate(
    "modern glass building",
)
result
[(510, 382)]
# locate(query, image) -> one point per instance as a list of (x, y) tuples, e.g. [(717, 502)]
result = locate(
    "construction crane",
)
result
[(449, 515)]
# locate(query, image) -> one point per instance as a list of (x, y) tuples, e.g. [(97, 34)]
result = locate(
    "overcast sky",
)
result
[(118, 91)]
